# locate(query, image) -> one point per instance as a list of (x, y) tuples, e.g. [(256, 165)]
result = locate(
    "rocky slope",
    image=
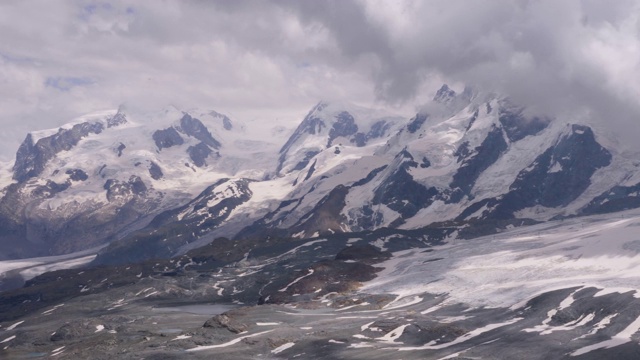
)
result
[(549, 291)]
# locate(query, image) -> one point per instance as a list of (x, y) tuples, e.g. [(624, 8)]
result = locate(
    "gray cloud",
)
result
[(561, 58), (274, 59)]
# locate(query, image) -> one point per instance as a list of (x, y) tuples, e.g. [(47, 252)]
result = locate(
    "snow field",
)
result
[(508, 269)]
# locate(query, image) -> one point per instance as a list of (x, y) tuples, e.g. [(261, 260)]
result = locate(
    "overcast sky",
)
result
[(270, 60)]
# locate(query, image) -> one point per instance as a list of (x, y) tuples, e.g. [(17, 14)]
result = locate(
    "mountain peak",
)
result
[(444, 95), (226, 122), (333, 124)]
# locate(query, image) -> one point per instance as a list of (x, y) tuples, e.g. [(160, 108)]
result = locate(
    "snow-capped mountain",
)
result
[(176, 179), (333, 127), (466, 157), (85, 183)]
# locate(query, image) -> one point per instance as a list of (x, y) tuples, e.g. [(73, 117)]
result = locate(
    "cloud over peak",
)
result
[(268, 59)]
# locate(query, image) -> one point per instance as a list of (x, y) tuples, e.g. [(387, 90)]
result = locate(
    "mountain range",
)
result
[(157, 185)]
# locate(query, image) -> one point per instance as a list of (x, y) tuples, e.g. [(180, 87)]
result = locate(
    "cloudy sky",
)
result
[(272, 60)]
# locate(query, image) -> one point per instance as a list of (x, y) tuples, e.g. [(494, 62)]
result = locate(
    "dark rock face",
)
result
[(578, 156), (517, 126), (462, 151), (195, 128), (120, 148), (310, 172), (114, 188), (360, 139), (155, 171), (192, 127), (369, 176), (77, 174), (345, 126), (307, 157), (557, 177), (475, 162), (264, 225), (425, 332), (425, 163), (31, 158), (444, 95), (401, 193), (199, 154), (474, 117), (117, 120), (167, 138), (378, 130), (417, 122), (117, 190), (74, 330), (618, 198), (27, 158), (50, 189)]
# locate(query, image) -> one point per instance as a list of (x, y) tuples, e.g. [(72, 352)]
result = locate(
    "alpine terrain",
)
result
[(475, 229)]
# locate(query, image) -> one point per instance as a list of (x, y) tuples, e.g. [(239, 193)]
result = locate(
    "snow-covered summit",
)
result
[(471, 156), (108, 170), (334, 124)]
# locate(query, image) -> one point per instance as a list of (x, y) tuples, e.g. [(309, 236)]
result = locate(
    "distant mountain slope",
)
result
[(467, 157), (107, 173)]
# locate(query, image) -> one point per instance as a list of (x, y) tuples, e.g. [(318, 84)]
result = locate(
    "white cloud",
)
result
[(275, 59)]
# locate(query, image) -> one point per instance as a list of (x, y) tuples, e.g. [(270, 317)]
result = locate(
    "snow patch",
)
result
[(620, 338), (14, 325), (432, 345), (296, 280), (282, 348), (8, 339), (228, 343), (181, 337), (393, 335)]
